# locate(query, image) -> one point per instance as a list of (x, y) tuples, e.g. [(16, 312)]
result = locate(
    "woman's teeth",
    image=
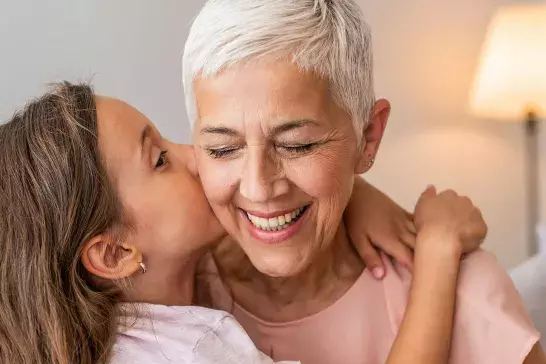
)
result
[(278, 222)]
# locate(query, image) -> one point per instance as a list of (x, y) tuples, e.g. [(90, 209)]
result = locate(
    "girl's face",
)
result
[(157, 183)]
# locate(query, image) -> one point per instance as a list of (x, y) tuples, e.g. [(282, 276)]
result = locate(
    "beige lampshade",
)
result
[(511, 76)]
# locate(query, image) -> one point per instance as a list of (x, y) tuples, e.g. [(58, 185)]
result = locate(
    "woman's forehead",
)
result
[(262, 91), (261, 79)]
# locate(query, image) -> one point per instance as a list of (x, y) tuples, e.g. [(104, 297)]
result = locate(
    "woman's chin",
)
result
[(279, 266)]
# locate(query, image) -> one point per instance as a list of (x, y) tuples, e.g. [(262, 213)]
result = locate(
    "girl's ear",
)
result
[(109, 260)]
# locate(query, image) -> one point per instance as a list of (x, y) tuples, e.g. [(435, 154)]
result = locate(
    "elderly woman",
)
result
[(281, 98)]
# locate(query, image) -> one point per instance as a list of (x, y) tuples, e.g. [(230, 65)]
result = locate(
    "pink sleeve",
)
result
[(491, 323)]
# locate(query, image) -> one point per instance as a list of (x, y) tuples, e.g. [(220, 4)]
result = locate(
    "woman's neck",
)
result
[(331, 274)]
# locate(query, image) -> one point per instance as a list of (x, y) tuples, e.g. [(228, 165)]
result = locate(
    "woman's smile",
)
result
[(275, 227)]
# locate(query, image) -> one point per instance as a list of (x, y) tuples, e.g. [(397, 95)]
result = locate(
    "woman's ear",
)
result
[(372, 135), (106, 259)]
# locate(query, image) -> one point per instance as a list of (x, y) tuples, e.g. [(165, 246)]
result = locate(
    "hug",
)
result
[(253, 245)]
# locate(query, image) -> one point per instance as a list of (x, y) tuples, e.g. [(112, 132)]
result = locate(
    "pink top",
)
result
[(491, 324)]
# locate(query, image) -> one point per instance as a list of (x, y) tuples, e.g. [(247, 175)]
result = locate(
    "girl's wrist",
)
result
[(438, 243)]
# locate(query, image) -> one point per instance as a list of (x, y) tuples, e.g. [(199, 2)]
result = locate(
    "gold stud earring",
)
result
[(370, 162), (142, 267)]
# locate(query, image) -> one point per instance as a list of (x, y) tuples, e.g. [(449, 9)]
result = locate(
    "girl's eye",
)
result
[(162, 160), (221, 152)]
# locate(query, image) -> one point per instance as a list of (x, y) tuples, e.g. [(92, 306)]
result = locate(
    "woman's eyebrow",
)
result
[(291, 125), (222, 130), (279, 129)]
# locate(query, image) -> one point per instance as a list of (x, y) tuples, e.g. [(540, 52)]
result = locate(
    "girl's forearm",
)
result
[(425, 333)]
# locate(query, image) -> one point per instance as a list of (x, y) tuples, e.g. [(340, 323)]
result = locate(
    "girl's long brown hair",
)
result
[(54, 196)]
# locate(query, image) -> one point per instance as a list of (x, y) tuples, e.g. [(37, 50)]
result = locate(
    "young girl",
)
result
[(103, 223)]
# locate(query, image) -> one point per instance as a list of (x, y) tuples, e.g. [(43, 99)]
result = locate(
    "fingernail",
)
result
[(378, 272)]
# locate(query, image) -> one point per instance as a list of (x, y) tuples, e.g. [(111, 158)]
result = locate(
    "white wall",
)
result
[(425, 51), (131, 48)]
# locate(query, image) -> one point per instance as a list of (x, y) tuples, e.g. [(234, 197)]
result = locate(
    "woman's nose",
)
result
[(262, 178)]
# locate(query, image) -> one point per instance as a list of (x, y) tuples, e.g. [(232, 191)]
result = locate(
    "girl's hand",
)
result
[(452, 219)]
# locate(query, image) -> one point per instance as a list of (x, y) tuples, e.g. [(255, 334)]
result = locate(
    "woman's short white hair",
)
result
[(329, 37)]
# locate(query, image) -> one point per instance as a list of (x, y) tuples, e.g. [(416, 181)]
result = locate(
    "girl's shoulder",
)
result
[(155, 334)]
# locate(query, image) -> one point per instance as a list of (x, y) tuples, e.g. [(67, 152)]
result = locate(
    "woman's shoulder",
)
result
[(481, 274), (482, 283), (486, 288), (491, 323)]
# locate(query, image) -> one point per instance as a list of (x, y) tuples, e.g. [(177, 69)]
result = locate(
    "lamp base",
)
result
[(532, 158)]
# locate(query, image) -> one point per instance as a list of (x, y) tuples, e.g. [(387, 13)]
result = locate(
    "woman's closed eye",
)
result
[(162, 160), (221, 152), (297, 149), (225, 152)]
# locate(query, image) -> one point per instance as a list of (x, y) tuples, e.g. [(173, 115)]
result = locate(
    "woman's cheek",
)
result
[(320, 175), (219, 180)]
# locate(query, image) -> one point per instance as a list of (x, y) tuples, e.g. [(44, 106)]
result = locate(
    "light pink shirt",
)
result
[(491, 324), (156, 334)]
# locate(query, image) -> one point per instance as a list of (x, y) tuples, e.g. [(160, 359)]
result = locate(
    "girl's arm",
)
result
[(425, 333), (447, 225)]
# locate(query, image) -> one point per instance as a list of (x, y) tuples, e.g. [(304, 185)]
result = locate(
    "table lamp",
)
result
[(510, 85)]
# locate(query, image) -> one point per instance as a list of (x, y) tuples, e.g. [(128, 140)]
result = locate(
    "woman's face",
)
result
[(158, 186), (277, 159)]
